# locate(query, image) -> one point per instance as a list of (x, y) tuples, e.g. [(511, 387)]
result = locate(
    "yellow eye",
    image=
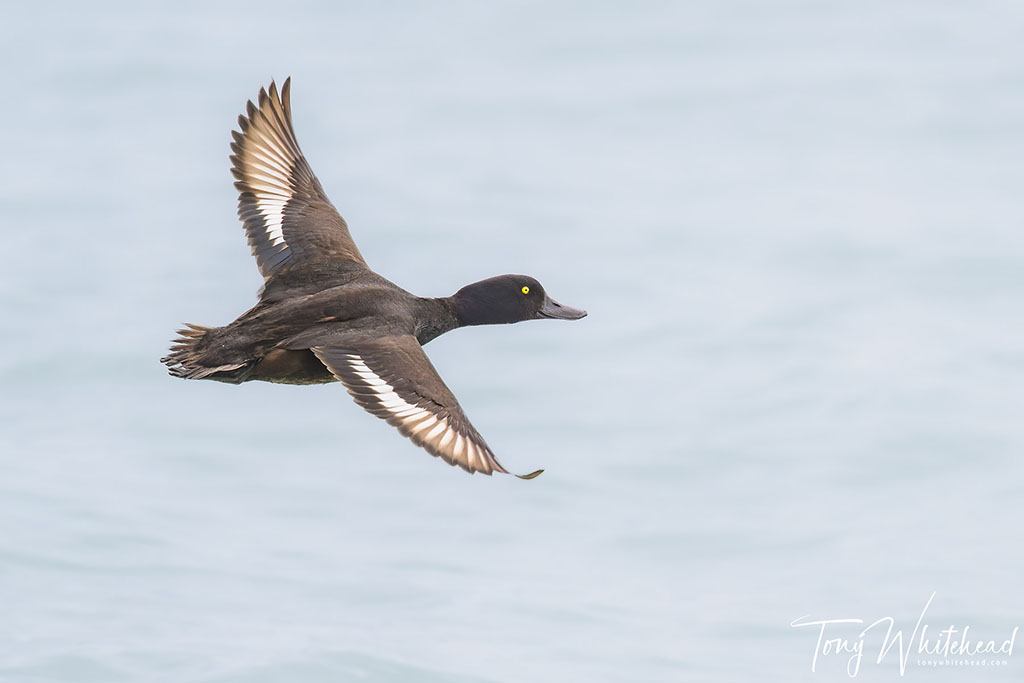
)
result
[(526, 290)]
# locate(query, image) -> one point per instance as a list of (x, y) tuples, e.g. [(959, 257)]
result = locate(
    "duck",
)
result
[(324, 315)]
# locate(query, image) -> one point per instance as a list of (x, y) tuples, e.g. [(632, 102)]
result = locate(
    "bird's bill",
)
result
[(553, 309)]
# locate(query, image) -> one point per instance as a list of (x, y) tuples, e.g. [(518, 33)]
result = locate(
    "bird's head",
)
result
[(508, 299)]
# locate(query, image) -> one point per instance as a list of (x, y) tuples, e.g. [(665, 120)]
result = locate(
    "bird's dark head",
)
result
[(508, 299)]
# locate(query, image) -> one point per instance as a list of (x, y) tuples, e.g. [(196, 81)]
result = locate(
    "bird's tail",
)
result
[(188, 360)]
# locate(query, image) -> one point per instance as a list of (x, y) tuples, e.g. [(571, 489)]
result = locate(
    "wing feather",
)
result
[(393, 379), (288, 218)]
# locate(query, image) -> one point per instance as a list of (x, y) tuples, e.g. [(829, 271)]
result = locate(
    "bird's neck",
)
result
[(434, 317)]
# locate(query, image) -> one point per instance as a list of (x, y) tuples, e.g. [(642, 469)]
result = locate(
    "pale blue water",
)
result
[(797, 228)]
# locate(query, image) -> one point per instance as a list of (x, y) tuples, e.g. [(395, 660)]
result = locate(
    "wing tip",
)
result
[(267, 94), (286, 89)]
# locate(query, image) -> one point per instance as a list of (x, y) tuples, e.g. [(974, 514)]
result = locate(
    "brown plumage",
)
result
[(324, 316)]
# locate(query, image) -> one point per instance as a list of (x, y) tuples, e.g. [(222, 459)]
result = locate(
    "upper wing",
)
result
[(392, 378), (287, 216)]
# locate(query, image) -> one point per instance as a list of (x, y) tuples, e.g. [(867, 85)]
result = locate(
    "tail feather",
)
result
[(185, 359)]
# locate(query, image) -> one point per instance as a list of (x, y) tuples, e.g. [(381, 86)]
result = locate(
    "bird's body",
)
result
[(324, 315), (271, 341)]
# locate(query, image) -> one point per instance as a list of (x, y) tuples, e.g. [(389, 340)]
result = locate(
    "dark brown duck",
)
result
[(323, 315)]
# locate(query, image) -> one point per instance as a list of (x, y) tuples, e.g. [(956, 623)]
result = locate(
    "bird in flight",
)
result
[(324, 315)]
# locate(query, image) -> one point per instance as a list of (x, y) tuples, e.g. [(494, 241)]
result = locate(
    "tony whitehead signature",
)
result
[(952, 644)]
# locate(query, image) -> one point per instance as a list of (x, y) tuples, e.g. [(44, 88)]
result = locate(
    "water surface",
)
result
[(797, 230)]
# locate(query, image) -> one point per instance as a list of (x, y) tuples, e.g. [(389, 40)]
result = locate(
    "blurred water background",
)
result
[(797, 227)]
